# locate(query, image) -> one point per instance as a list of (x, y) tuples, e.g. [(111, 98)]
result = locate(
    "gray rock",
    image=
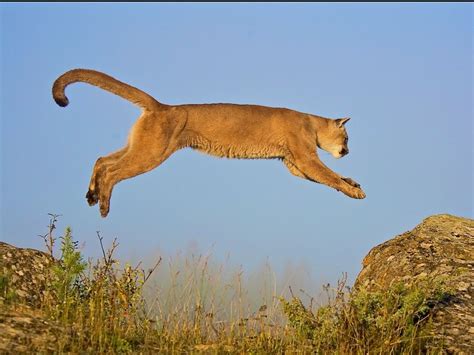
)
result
[(24, 327), (442, 245), (26, 271)]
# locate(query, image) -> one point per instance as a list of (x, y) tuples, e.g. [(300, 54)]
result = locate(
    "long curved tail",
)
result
[(105, 82)]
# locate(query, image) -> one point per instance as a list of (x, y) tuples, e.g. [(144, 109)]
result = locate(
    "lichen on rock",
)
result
[(24, 327), (26, 271), (439, 248)]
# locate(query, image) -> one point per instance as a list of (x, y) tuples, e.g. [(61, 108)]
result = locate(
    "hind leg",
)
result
[(92, 195), (151, 142), (133, 163)]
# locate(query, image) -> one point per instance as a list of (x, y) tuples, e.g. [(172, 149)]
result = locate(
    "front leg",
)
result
[(292, 168), (308, 163), (350, 181)]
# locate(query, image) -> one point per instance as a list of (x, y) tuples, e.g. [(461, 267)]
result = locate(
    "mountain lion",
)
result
[(222, 130)]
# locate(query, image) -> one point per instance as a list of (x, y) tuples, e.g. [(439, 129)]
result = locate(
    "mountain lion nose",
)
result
[(344, 151)]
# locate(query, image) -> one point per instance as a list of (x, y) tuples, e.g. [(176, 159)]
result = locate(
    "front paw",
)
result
[(356, 192), (351, 182)]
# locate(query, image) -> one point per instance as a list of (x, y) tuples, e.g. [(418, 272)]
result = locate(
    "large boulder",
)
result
[(442, 246), (25, 272), (24, 277)]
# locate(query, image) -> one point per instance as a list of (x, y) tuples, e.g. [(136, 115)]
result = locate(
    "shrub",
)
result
[(395, 320)]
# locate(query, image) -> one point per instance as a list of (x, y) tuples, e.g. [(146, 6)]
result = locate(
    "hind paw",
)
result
[(104, 209)]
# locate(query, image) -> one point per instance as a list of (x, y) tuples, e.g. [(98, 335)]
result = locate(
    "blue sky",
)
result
[(403, 72)]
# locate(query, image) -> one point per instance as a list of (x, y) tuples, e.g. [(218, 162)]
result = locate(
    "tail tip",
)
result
[(61, 101)]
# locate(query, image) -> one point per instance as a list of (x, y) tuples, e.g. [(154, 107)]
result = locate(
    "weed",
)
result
[(7, 294)]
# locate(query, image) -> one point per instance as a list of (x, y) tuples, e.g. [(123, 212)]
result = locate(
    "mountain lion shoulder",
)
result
[(222, 130)]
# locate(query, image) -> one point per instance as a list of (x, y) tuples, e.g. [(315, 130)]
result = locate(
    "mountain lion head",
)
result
[(334, 138)]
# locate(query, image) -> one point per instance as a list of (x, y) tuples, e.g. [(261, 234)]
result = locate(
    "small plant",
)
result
[(7, 294), (49, 238), (67, 275), (300, 318)]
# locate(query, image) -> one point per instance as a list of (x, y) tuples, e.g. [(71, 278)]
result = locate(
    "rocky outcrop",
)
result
[(441, 246), (24, 328), (26, 272)]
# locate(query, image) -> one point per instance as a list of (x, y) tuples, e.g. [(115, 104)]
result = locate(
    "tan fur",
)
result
[(222, 130)]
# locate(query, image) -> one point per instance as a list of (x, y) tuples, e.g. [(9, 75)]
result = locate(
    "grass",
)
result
[(197, 306)]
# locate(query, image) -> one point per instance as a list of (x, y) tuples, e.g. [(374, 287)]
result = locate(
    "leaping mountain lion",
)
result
[(222, 130)]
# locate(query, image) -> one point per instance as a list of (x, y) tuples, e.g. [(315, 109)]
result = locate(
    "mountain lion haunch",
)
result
[(222, 130)]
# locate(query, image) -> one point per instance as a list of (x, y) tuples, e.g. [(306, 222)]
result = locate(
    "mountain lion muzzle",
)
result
[(222, 130)]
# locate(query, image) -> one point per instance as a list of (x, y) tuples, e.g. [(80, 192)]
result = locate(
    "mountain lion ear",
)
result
[(342, 121)]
